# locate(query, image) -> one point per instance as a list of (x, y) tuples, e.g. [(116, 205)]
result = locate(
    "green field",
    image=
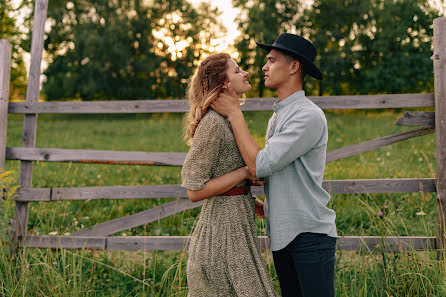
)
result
[(97, 273)]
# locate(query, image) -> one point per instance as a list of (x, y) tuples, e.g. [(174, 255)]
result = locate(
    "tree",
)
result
[(10, 31), (395, 47), (371, 46), (374, 46), (108, 49), (262, 22)]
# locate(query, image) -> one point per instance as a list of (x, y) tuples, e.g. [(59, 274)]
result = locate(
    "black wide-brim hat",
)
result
[(298, 47)]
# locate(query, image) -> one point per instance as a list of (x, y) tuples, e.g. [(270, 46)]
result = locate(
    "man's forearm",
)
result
[(246, 143)]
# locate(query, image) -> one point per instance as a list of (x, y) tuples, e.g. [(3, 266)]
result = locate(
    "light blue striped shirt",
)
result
[(293, 164)]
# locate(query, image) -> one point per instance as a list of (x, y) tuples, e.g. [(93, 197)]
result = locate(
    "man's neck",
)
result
[(285, 91)]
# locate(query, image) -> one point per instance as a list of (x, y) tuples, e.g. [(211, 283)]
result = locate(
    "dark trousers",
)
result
[(305, 267)]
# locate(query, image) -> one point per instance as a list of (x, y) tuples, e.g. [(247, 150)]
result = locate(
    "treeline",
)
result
[(136, 49)]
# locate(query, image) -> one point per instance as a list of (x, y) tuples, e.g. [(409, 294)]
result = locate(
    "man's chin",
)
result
[(268, 85)]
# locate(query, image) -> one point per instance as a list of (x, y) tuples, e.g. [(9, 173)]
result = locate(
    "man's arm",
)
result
[(227, 104)]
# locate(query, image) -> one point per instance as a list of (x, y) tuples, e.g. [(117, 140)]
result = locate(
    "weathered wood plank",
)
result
[(439, 58), (366, 186), (177, 159), (349, 243), (417, 118), (66, 242), (95, 156), (135, 243), (374, 101), (391, 243), (138, 219), (33, 194), (119, 192), (371, 145), (252, 104), (5, 75), (30, 121), (354, 186)]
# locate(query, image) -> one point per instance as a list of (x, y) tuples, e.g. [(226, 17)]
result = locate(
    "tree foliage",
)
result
[(9, 30), (107, 49), (260, 21), (364, 47)]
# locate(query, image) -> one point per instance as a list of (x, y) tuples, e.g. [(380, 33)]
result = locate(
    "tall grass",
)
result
[(97, 273)]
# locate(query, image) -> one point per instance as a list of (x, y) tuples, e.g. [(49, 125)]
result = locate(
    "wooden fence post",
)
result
[(30, 120), (440, 124), (5, 72)]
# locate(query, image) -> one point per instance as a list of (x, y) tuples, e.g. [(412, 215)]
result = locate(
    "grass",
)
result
[(98, 273)]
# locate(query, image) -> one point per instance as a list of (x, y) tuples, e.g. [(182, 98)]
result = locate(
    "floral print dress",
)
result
[(224, 252)]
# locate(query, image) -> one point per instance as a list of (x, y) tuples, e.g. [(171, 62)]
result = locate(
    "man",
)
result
[(301, 228)]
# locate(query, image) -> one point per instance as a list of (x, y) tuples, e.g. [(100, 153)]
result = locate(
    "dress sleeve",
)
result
[(198, 168)]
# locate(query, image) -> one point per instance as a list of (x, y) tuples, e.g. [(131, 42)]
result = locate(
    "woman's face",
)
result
[(238, 78)]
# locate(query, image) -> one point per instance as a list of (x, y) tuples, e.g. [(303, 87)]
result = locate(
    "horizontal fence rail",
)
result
[(177, 159), (353, 186), (369, 243), (95, 156), (252, 104)]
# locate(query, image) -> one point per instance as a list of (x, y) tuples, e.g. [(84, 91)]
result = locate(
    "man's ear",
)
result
[(295, 66)]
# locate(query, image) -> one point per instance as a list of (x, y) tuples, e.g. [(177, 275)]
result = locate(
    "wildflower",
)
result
[(380, 214), (53, 233), (421, 213)]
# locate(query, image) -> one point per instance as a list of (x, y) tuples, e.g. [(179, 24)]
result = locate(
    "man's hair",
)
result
[(303, 71)]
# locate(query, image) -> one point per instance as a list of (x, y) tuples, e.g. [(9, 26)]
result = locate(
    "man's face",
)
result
[(277, 69)]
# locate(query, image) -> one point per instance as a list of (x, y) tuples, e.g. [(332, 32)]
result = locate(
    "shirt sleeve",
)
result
[(298, 135), (203, 154)]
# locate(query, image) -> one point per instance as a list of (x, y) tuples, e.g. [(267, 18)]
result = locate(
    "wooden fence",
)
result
[(99, 236)]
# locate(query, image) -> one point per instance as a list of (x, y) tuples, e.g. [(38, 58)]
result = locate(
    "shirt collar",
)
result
[(297, 96)]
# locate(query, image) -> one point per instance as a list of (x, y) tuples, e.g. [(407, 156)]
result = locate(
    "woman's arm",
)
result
[(220, 184)]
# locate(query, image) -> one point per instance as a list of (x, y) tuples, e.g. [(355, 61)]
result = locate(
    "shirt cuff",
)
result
[(263, 167)]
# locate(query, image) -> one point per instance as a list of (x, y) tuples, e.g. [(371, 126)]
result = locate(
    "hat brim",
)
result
[(311, 69)]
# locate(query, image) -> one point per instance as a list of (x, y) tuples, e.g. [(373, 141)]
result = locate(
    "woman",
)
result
[(224, 253)]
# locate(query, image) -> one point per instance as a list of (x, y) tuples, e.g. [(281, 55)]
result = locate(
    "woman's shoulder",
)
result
[(213, 118)]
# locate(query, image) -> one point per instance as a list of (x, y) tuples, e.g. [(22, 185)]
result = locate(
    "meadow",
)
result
[(157, 273)]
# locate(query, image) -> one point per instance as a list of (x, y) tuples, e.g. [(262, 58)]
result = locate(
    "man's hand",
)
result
[(226, 103), (259, 208)]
